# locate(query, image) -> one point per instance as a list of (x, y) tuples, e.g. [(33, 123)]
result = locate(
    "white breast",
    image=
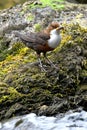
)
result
[(54, 40)]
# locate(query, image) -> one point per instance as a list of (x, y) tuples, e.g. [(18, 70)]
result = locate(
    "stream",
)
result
[(76, 120)]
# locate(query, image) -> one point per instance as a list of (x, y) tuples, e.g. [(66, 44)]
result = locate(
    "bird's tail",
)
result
[(17, 34), (22, 37)]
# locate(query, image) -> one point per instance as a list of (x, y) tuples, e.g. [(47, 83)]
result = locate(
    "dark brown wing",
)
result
[(34, 38), (37, 38), (43, 36)]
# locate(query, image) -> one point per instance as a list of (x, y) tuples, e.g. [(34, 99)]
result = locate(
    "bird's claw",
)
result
[(42, 68)]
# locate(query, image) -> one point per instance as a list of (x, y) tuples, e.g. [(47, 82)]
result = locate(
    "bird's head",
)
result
[(56, 31), (53, 25)]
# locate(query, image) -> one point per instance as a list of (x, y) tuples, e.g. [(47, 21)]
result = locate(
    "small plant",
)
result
[(37, 27), (54, 4), (30, 17)]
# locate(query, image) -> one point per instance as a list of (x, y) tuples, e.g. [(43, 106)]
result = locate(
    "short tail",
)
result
[(22, 37), (17, 34)]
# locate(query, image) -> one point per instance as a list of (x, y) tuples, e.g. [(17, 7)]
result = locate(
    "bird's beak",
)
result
[(59, 28)]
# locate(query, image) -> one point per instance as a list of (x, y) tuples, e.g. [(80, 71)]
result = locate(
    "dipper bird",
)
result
[(42, 42)]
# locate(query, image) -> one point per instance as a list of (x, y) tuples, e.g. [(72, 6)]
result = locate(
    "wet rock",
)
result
[(55, 108), (82, 1), (42, 110), (81, 97), (16, 108), (78, 1), (18, 122)]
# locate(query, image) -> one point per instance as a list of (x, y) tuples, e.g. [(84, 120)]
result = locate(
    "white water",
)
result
[(70, 121)]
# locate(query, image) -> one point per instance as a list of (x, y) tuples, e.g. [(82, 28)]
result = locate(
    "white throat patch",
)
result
[(55, 39)]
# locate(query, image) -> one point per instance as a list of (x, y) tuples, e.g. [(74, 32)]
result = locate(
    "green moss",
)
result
[(84, 64), (2, 44), (3, 99), (84, 73), (16, 48), (54, 4), (14, 57), (30, 17), (59, 95), (2, 85), (83, 87), (39, 94), (9, 3), (11, 95), (38, 27), (38, 76), (31, 57)]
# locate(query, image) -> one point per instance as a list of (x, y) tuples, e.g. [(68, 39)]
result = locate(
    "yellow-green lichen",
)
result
[(11, 95), (83, 87), (38, 27), (30, 17), (57, 4)]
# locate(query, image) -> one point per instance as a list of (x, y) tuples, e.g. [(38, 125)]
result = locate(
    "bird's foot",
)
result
[(42, 68), (54, 66), (51, 63)]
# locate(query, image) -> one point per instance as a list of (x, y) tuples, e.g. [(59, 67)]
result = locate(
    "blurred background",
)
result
[(9, 3)]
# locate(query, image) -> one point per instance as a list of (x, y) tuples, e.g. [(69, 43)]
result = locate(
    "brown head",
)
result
[(51, 26), (54, 25)]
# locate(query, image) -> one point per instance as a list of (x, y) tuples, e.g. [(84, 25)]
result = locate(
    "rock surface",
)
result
[(24, 88), (78, 1), (82, 1)]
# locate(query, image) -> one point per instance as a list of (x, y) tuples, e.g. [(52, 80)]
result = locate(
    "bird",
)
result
[(43, 41)]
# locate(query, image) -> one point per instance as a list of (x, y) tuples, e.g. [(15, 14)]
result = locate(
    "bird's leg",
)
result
[(49, 61), (40, 63)]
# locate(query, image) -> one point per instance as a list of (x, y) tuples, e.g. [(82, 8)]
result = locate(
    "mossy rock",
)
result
[(13, 110), (25, 84)]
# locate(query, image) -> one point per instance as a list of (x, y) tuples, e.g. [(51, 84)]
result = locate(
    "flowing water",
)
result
[(70, 121)]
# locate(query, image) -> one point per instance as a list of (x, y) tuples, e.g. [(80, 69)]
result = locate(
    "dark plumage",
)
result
[(46, 40), (33, 40)]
